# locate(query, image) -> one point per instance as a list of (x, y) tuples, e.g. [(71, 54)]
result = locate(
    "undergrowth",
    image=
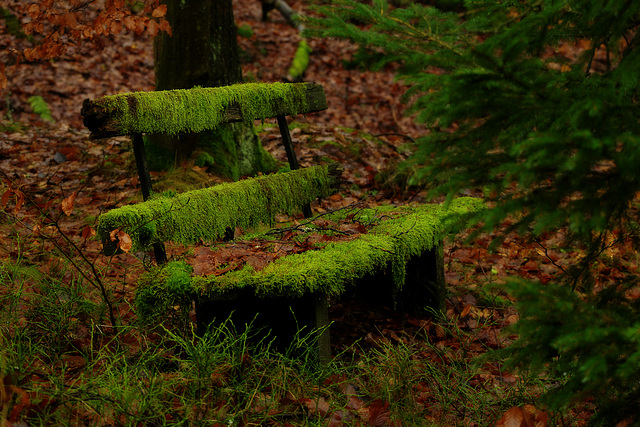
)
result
[(62, 366), (73, 352)]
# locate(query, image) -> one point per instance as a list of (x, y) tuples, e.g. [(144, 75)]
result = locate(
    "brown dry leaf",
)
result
[(130, 22), (70, 20), (152, 28), (159, 11), (319, 406), (88, 232), (165, 26), (528, 416), (514, 417), (116, 27), (140, 25), (3, 77), (205, 265), (34, 11), (379, 413), (5, 198), (124, 241), (19, 201), (67, 204), (465, 311), (257, 262), (536, 417)]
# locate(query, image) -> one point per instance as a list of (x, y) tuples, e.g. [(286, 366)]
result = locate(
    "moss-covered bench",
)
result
[(398, 256)]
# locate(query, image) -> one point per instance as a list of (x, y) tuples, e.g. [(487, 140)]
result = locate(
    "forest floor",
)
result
[(72, 179)]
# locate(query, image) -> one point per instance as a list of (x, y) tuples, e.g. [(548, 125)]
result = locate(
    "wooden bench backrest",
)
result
[(198, 109)]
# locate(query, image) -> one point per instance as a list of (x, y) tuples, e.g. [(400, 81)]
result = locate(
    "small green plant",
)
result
[(245, 31), (40, 107)]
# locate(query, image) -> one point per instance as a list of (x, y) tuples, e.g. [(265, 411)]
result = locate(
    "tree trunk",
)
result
[(203, 51)]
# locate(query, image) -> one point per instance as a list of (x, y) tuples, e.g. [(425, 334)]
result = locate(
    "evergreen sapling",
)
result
[(554, 140)]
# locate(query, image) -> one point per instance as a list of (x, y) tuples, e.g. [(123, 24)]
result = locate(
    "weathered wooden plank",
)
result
[(205, 214), (198, 109)]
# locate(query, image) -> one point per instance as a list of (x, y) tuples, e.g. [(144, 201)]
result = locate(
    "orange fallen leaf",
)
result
[(319, 406), (159, 11), (67, 204), (528, 416), (465, 311), (124, 241), (514, 417)]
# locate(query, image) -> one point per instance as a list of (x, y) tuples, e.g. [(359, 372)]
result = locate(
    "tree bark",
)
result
[(203, 51)]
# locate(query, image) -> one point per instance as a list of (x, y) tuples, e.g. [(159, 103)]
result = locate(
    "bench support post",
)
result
[(424, 289), (282, 319), (425, 286), (291, 155), (145, 185)]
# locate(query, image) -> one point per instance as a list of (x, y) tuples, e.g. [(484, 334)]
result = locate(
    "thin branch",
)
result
[(311, 220)]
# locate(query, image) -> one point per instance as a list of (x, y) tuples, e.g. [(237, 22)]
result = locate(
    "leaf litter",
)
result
[(46, 161)]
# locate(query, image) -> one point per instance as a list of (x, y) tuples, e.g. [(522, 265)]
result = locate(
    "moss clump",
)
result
[(163, 289), (236, 151), (300, 60), (13, 25), (200, 109), (205, 214)]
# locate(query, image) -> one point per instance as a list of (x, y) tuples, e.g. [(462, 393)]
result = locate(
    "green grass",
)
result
[(63, 364)]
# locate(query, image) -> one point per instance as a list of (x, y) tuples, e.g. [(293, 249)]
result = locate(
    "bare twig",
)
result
[(304, 225)]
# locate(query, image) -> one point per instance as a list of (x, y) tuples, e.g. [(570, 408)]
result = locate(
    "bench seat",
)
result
[(399, 258)]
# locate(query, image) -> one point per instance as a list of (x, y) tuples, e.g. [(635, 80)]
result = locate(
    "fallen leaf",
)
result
[(159, 11), (379, 413), (88, 232), (5, 198), (19, 201), (124, 241), (465, 311), (514, 417), (258, 263), (67, 203), (319, 406)]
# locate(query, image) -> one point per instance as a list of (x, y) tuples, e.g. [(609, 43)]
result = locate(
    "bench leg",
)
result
[(425, 285), (277, 318)]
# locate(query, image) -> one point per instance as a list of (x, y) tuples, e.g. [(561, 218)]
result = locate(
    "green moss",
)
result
[(300, 60), (390, 244), (204, 214), (163, 289), (405, 232), (13, 25), (204, 160), (199, 109), (245, 31), (180, 180), (236, 151)]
